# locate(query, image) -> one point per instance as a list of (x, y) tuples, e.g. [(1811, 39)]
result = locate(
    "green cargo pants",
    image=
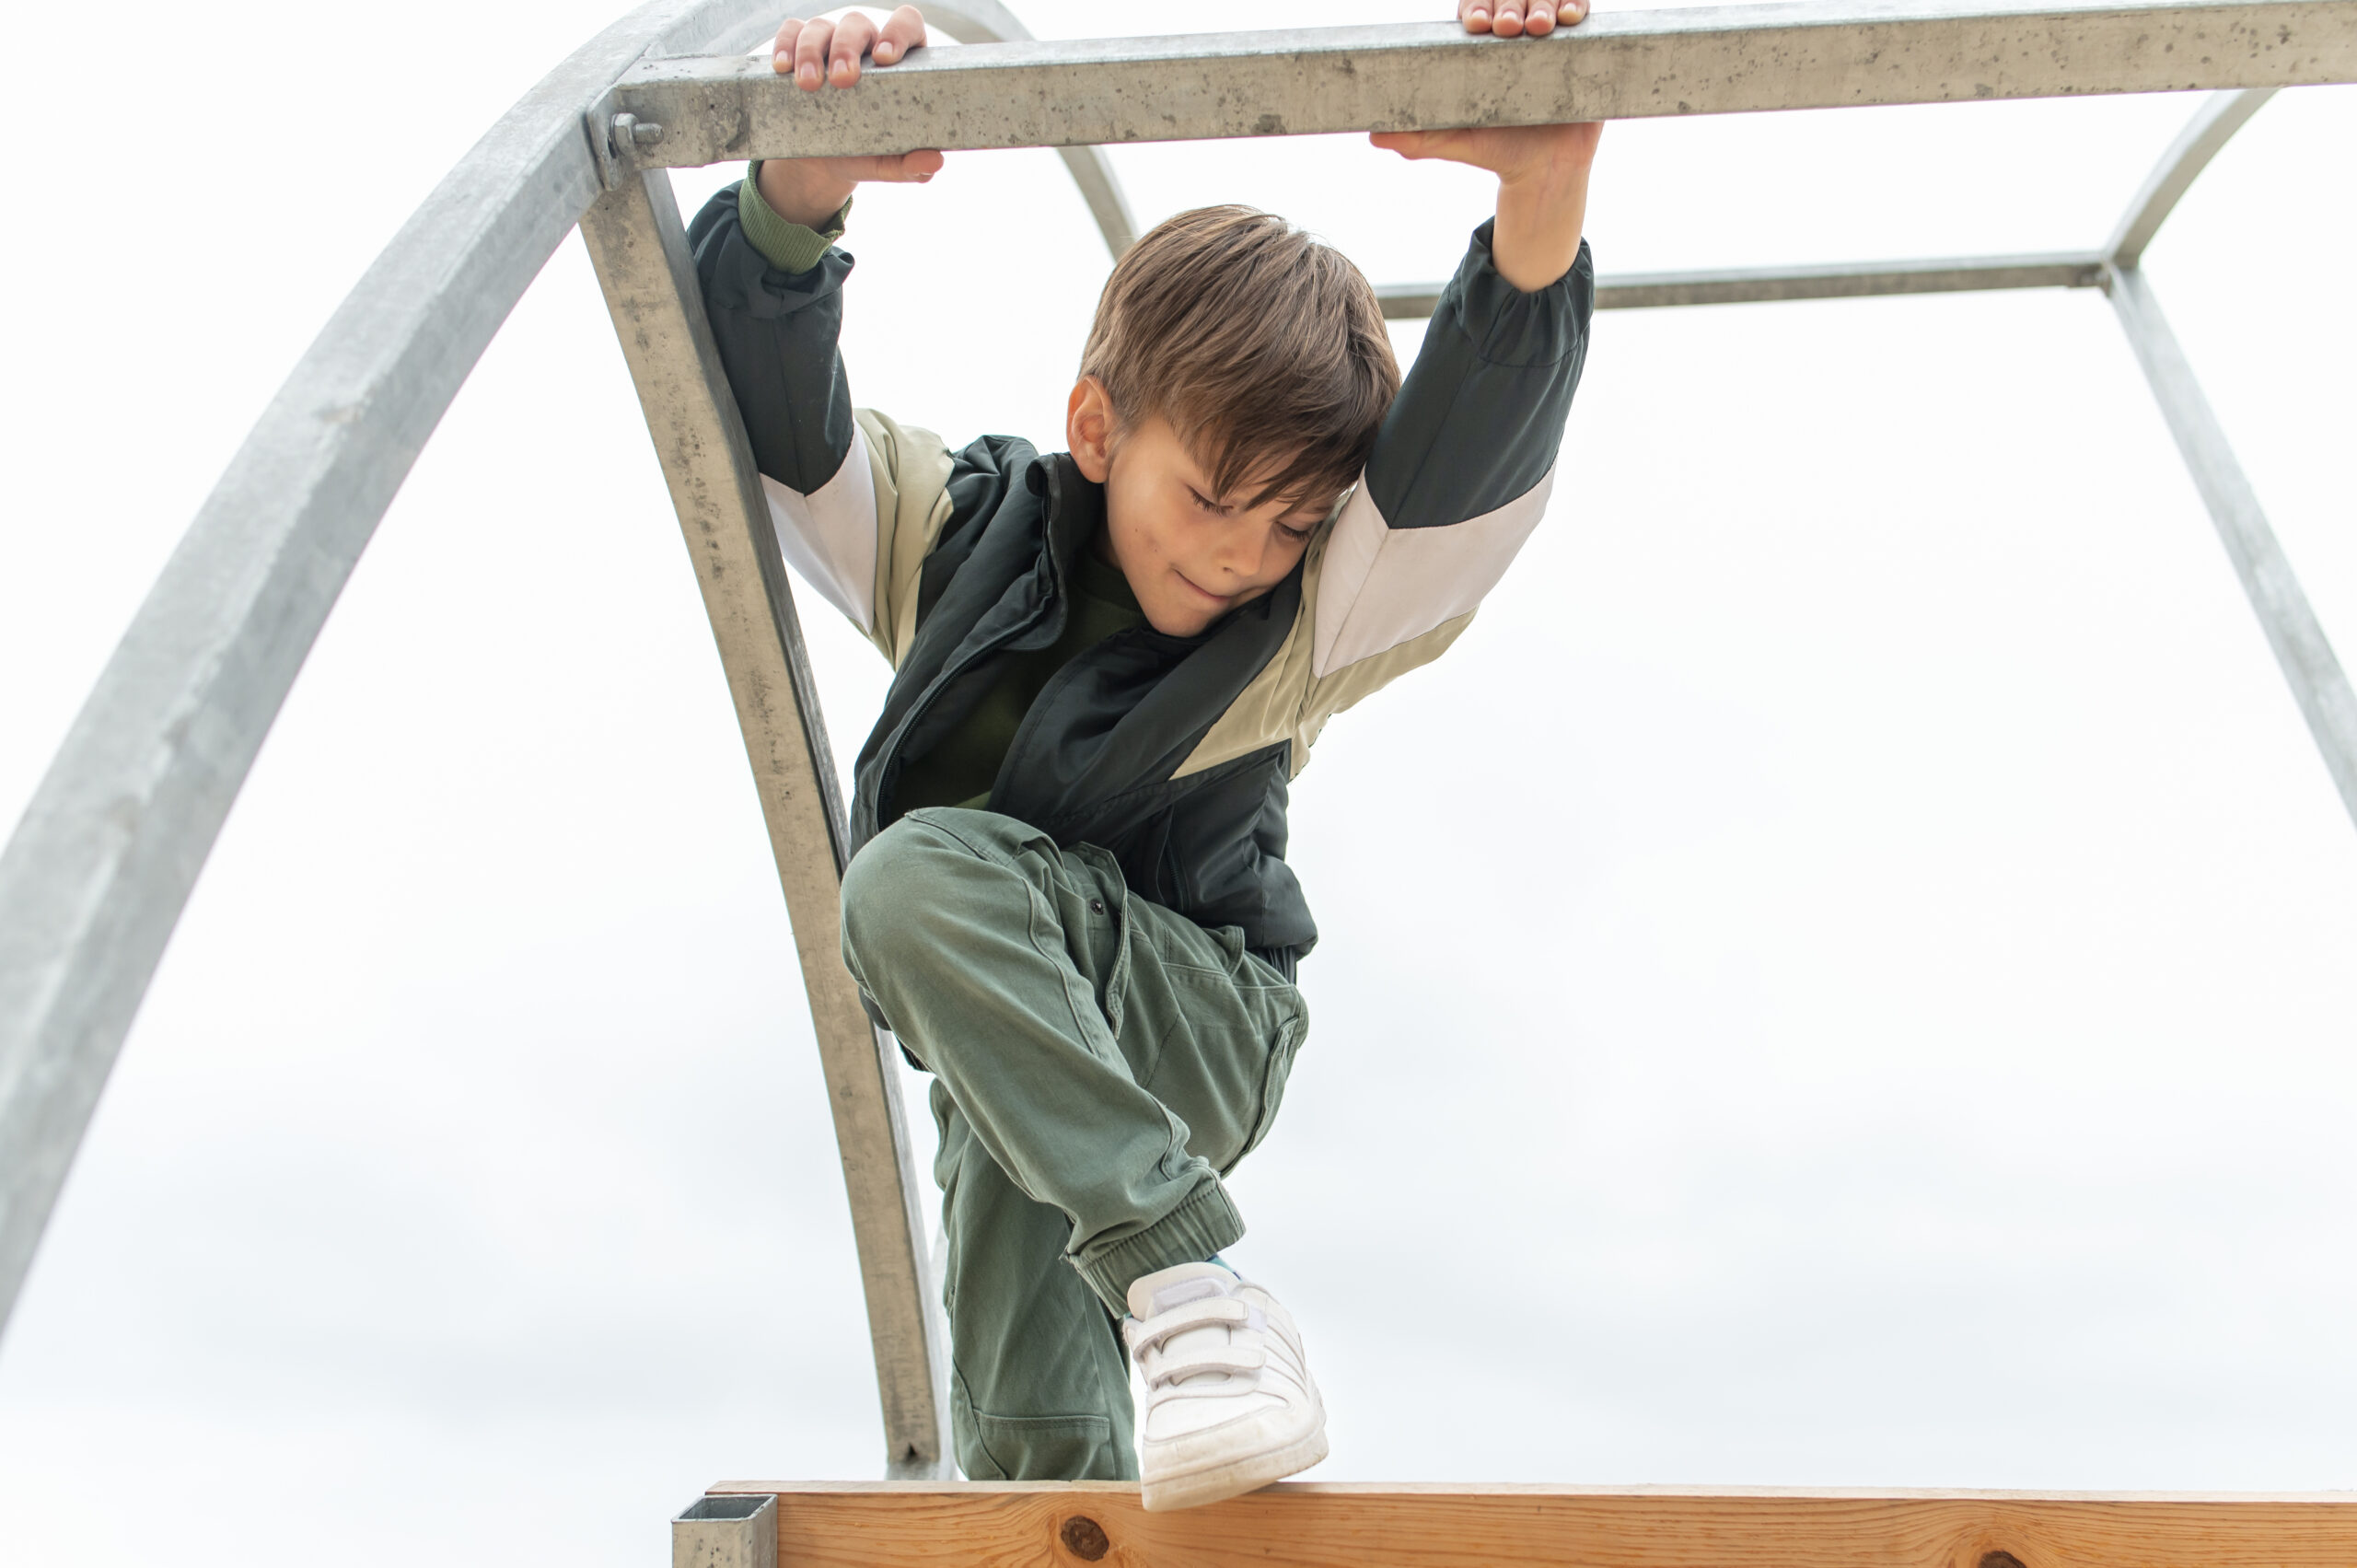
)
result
[(1098, 1064)]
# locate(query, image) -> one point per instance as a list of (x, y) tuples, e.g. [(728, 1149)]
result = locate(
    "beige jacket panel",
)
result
[(1288, 700), (912, 468)]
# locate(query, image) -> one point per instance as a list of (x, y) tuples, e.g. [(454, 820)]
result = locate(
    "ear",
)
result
[(1088, 428)]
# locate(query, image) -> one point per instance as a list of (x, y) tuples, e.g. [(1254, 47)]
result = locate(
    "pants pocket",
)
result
[(1272, 1083), (1041, 1447), (1224, 1053)]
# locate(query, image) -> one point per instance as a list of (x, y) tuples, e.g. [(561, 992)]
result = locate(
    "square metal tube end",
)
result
[(732, 1531)]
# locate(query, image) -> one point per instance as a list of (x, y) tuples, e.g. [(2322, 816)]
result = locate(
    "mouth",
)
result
[(1209, 597)]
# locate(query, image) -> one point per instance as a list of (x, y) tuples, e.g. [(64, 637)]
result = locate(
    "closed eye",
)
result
[(1208, 505)]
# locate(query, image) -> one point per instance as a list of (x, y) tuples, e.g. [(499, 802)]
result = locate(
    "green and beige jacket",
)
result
[(1173, 754)]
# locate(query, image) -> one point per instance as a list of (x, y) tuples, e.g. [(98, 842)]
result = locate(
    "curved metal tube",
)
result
[(2209, 131), (986, 21), (97, 874), (95, 877)]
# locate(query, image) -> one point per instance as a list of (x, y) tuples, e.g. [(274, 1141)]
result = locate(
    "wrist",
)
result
[(798, 192), (1545, 187), (1536, 236)]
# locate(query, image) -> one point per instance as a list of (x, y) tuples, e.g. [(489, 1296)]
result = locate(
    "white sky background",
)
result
[(1844, 976)]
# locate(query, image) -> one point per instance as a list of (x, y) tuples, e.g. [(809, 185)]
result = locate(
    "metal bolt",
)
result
[(629, 132), (1085, 1538)]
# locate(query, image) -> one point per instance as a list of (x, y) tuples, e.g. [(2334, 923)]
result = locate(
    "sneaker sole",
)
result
[(1235, 1479)]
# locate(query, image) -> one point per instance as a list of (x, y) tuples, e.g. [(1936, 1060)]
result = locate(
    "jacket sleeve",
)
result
[(858, 499), (1459, 477)]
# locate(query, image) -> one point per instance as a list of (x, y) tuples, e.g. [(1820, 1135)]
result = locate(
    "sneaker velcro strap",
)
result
[(1219, 1311), (1161, 1366)]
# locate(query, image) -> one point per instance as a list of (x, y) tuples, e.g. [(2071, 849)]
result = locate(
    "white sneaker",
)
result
[(1227, 1405)]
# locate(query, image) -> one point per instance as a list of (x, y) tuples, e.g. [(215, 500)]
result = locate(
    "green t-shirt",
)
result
[(961, 770)]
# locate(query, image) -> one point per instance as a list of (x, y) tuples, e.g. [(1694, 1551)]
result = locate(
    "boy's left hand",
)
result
[(1542, 169)]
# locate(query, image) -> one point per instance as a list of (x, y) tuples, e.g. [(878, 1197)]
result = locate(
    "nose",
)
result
[(1243, 546)]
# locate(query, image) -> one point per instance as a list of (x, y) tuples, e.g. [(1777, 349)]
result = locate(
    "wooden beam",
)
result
[(984, 1525)]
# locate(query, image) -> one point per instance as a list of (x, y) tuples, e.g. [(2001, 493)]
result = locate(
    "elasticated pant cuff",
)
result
[(1205, 1223)]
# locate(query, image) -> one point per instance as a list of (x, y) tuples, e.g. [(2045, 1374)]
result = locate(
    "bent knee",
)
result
[(886, 885), (913, 880)]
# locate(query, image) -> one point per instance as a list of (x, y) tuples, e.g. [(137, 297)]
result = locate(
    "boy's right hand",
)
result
[(825, 52)]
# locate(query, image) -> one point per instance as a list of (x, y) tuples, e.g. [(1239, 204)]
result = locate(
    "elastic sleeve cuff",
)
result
[(1514, 327), (788, 247)]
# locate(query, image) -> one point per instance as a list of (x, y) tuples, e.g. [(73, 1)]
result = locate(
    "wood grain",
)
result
[(904, 1525)]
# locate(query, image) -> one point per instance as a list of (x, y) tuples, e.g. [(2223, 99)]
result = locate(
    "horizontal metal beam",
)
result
[(1827, 53), (1845, 280), (987, 21)]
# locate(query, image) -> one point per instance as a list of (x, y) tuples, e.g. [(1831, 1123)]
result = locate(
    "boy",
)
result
[(1069, 897)]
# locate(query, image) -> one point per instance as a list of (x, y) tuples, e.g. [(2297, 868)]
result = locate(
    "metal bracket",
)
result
[(616, 140)]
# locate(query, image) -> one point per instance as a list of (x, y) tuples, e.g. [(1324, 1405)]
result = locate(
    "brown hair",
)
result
[(1263, 347)]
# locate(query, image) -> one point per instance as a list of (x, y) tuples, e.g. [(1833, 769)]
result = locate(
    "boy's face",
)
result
[(1190, 554)]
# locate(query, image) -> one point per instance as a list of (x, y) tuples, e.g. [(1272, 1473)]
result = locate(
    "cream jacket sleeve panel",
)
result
[(1461, 473)]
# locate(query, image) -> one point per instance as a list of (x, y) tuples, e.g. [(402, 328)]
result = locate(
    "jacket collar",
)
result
[(1075, 508)]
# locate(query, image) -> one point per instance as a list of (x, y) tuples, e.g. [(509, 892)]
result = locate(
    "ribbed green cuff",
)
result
[(788, 247), (1198, 1227)]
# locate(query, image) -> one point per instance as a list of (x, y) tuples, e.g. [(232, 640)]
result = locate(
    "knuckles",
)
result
[(839, 47)]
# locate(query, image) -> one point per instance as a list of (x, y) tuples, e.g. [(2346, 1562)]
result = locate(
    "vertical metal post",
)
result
[(726, 1532), (640, 250), (2318, 683)]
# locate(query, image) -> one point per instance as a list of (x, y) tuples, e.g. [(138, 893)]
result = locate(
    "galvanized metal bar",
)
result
[(641, 253), (986, 21), (96, 873), (1846, 279), (726, 1532), (2319, 684), (2209, 129), (1093, 172), (1626, 65)]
